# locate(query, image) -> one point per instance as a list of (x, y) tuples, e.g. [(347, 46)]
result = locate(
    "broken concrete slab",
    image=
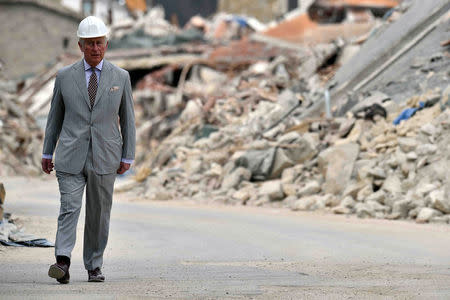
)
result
[(272, 189), (337, 164)]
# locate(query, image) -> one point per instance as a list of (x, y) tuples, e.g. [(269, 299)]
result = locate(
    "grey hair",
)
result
[(81, 40)]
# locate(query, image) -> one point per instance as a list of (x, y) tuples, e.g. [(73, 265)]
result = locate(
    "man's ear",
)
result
[(79, 45)]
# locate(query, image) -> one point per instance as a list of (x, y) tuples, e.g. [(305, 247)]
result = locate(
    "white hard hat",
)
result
[(91, 27)]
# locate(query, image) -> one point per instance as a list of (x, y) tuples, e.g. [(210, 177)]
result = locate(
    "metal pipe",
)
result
[(327, 104)]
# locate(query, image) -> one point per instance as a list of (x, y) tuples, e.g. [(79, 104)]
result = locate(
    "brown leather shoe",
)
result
[(60, 271), (95, 275)]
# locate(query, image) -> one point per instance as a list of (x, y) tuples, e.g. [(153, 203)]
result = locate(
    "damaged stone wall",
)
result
[(33, 35)]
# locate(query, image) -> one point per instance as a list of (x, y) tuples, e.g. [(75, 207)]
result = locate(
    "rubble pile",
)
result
[(229, 110), (233, 128), (20, 136), (236, 69), (344, 165), (216, 99), (150, 23), (396, 171), (150, 30)]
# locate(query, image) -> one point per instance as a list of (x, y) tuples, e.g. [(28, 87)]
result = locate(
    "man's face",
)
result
[(94, 49)]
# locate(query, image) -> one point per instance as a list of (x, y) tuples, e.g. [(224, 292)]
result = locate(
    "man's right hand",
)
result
[(47, 165)]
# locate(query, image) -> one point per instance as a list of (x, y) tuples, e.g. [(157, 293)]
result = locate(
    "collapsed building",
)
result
[(297, 114), (247, 124)]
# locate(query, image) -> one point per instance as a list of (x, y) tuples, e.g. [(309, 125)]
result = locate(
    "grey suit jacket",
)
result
[(73, 124)]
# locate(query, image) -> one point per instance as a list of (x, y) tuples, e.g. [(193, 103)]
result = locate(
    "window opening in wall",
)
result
[(88, 7)]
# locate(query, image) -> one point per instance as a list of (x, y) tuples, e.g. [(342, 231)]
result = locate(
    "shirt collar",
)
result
[(98, 67)]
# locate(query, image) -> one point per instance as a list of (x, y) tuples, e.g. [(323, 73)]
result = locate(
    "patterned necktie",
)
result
[(92, 87)]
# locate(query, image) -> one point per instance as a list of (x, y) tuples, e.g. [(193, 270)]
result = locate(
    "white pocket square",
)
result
[(114, 88)]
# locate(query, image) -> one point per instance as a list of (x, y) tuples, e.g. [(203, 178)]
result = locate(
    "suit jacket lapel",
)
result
[(80, 79), (105, 78)]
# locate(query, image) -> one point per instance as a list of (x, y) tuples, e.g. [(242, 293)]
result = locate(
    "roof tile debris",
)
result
[(358, 3)]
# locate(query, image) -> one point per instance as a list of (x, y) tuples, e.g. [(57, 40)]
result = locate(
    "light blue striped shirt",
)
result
[(88, 71)]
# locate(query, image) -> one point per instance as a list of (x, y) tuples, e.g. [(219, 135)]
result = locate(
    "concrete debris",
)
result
[(336, 164), (20, 138), (233, 180), (151, 23), (311, 188), (13, 235), (237, 117), (426, 214), (439, 201), (377, 175), (24, 106), (272, 189), (384, 61)]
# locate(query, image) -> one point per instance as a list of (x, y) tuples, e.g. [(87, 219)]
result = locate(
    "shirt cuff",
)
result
[(127, 161), (47, 156)]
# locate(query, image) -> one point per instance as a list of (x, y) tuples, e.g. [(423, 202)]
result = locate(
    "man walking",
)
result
[(91, 98)]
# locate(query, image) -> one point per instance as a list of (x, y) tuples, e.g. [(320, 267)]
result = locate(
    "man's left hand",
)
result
[(123, 168)]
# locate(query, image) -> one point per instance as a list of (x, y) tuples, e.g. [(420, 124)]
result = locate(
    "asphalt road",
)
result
[(188, 251)]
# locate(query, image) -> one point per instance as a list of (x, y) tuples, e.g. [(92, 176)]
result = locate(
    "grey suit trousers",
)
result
[(99, 191)]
